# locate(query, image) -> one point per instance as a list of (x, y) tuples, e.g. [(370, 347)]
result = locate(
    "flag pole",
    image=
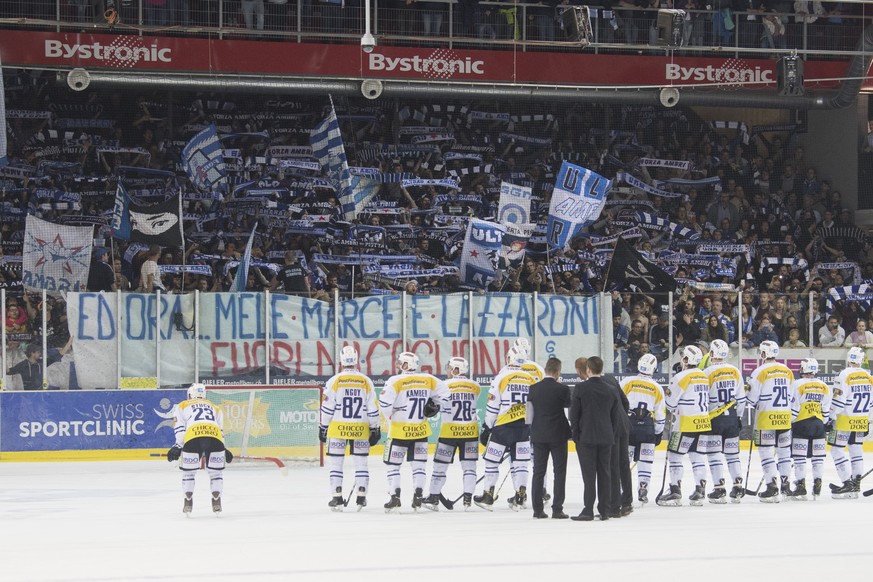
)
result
[(611, 260), (551, 275), (182, 236)]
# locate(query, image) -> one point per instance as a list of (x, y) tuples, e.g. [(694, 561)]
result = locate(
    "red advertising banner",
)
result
[(289, 59)]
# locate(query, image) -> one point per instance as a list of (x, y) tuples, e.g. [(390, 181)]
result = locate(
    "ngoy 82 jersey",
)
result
[(348, 406)]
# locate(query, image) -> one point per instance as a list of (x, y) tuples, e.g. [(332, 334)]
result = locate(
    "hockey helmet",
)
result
[(196, 390), (718, 349), (692, 355), (647, 364), (856, 356), (407, 361), (768, 349), (515, 356), (524, 345), (348, 357), (809, 366), (457, 366)]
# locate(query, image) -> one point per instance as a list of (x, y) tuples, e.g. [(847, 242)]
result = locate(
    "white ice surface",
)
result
[(108, 521)]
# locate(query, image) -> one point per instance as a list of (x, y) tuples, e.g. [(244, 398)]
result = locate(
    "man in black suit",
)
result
[(549, 433), (622, 481), (595, 411)]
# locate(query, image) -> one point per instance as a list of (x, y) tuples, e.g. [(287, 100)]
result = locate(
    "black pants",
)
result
[(595, 461), (622, 483), (541, 451)]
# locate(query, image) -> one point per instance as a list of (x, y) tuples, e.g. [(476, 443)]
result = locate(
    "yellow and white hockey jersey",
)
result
[(507, 396), (769, 395), (852, 405), (725, 390), (197, 418), (534, 370), (348, 406), (402, 403), (810, 398), (643, 392), (687, 398), (460, 419)]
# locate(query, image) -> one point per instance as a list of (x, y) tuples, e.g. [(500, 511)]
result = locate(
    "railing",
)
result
[(490, 25)]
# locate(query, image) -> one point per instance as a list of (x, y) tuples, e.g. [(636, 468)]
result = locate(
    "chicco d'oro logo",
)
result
[(440, 64), (123, 52), (732, 71)]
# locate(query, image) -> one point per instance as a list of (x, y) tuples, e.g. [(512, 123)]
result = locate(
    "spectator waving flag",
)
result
[(55, 257), (514, 207), (629, 266), (480, 255), (203, 161), (242, 271), (3, 160), (577, 200), (159, 224), (354, 192)]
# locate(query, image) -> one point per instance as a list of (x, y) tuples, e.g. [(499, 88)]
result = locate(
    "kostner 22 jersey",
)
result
[(348, 406), (507, 397), (810, 398), (458, 414), (687, 398), (853, 390), (402, 402), (769, 394), (644, 393), (197, 418)]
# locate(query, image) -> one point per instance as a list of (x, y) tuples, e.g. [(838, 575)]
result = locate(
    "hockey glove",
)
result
[(375, 435), (484, 435), (658, 438), (739, 423), (829, 426), (174, 453), (322, 434), (228, 456), (431, 408)]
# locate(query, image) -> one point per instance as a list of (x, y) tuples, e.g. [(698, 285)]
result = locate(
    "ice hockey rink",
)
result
[(122, 520)]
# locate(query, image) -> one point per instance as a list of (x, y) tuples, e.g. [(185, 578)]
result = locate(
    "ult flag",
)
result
[(629, 266), (159, 224), (480, 256), (242, 270), (514, 244), (354, 192), (3, 160), (203, 161), (577, 200), (56, 257), (514, 206)]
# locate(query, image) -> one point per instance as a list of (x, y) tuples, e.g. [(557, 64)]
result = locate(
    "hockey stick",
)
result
[(450, 503), (866, 493), (754, 493), (663, 481)]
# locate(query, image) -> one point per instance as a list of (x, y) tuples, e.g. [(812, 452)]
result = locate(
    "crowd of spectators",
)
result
[(772, 226)]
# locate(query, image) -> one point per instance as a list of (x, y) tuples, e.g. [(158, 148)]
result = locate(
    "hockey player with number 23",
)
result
[(199, 435)]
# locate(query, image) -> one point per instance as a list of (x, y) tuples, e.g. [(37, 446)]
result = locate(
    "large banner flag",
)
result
[(3, 160), (514, 244), (514, 205), (354, 192), (629, 266), (577, 200), (203, 161), (55, 257), (242, 271), (480, 256), (159, 224)]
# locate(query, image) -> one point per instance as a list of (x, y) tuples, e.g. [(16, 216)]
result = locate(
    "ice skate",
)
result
[(546, 495), (361, 499), (816, 488), (486, 500), (696, 498), (719, 494), (845, 491), (431, 502), (671, 499), (417, 499), (643, 493), (519, 500), (188, 505), (799, 491), (468, 501), (393, 504), (771, 493), (737, 491), (336, 502), (216, 502), (784, 486)]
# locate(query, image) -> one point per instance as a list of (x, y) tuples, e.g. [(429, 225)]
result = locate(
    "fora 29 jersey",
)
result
[(770, 395)]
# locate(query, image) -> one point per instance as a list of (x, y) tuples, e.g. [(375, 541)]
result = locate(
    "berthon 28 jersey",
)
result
[(458, 415)]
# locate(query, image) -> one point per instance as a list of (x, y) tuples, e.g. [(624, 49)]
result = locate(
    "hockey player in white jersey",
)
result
[(505, 431), (850, 422), (459, 431), (199, 433), (687, 400), (727, 402), (407, 400), (770, 398), (810, 405), (646, 399), (349, 419)]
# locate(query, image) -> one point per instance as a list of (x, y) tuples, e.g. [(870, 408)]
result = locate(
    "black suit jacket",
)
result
[(549, 398), (623, 422), (595, 411)]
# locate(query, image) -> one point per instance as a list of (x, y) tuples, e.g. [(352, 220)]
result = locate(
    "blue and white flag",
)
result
[(480, 256), (514, 244), (355, 192), (242, 271), (203, 161), (514, 206), (55, 257), (3, 160), (577, 200)]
